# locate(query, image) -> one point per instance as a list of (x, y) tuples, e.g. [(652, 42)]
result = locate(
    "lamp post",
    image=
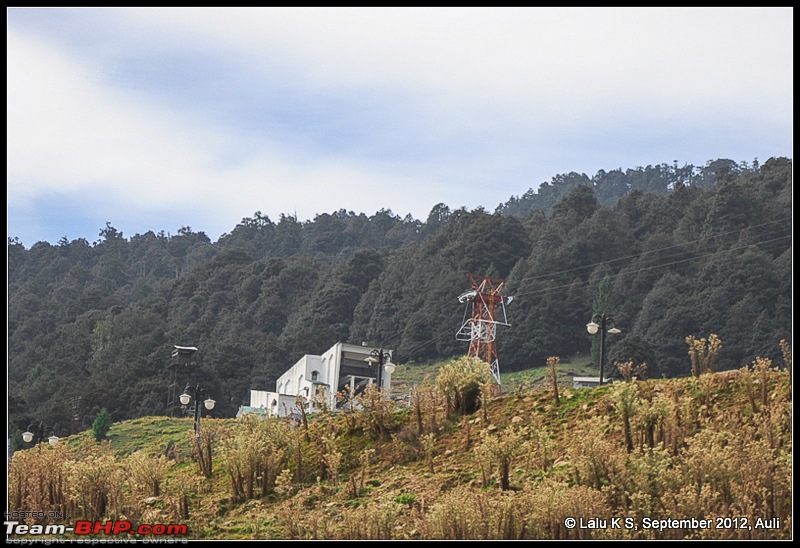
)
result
[(37, 431), (604, 324), (186, 398), (383, 361)]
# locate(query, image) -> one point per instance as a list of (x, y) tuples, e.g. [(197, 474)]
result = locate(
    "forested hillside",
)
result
[(669, 252)]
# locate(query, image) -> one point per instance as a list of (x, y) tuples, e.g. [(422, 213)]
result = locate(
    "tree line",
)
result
[(669, 252)]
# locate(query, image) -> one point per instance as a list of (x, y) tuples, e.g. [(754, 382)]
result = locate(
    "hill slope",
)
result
[(713, 447), (92, 325)]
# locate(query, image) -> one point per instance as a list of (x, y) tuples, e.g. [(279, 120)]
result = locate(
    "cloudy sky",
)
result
[(154, 119)]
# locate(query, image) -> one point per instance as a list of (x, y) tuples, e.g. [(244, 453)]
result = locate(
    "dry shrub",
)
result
[(733, 472), (416, 406), (596, 459), (487, 390), (429, 444), (458, 515), (433, 406), (255, 451), (542, 449), (652, 420), (459, 382), (710, 459), (284, 483), (552, 375), (697, 402), (306, 459), (550, 503), (37, 480), (95, 484), (535, 514), (321, 401), (202, 445), (428, 407), (376, 412), (324, 523), (747, 382), (629, 371), (179, 490), (786, 353), (703, 353), (649, 475), (757, 382), (371, 522), (146, 473), (627, 403), (500, 449), (765, 490), (776, 426), (674, 425), (405, 446), (333, 458), (763, 369)]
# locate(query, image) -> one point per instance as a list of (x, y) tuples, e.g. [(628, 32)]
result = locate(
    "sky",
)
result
[(162, 118)]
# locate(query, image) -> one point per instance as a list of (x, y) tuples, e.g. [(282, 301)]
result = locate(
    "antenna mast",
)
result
[(488, 311)]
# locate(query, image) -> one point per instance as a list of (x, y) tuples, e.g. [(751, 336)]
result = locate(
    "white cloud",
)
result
[(537, 56), (486, 95), (68, 134)]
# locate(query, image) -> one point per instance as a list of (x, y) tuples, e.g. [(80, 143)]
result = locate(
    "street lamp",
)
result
[(604, 324), (186, 398), (39, 429), (383, 361)]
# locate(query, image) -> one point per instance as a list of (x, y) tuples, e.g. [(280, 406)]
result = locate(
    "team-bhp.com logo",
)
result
[(98, 527)]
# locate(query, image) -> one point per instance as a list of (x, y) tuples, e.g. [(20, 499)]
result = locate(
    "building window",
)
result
[(315, 375)]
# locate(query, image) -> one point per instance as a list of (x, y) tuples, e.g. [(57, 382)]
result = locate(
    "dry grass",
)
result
[(715, 445)]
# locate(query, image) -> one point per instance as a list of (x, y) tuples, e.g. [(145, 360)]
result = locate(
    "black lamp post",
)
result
[(186, 398), (383, 361), (37, 431), (604, 324)]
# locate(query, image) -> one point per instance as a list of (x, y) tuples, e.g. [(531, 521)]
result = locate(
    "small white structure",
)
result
[(588, 382), (343, 367)]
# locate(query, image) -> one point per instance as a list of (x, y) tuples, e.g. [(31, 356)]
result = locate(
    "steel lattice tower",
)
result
[(488, 311)]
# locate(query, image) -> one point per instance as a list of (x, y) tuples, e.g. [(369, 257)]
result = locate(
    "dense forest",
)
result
[(668, 251)]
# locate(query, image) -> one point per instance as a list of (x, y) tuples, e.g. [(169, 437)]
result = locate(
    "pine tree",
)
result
[(101, 424)]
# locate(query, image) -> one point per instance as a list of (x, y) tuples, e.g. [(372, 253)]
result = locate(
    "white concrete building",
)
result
[(343, 367)]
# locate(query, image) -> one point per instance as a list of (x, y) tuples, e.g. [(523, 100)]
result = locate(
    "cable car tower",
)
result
[(488, 311)]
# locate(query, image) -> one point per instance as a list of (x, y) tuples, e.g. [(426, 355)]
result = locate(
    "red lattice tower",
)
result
[(488, 311)]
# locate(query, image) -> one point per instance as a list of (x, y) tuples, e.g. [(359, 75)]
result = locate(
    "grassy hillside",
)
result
[(407, 376), (716, 446)]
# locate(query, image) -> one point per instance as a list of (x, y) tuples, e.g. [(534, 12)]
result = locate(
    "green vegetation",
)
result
[(100, 426), (408, 375), (407, 499), (670, 251), (153, 435)]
